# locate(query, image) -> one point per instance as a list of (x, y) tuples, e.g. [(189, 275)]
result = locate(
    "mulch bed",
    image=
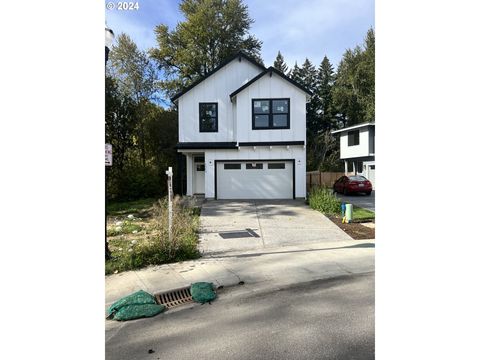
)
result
[(355, 230)]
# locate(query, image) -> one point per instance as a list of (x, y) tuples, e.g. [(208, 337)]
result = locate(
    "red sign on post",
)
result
[(108, 155)]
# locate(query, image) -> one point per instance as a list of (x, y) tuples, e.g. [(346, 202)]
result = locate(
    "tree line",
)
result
[(141, 122), (340, 99)]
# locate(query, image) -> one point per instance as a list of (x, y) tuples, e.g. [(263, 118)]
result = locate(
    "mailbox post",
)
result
[(169, 173)]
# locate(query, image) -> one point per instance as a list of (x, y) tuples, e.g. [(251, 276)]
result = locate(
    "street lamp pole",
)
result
[(109, 36)]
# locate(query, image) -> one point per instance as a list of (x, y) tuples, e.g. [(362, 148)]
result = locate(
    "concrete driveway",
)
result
[(255, 224), (361, 200)]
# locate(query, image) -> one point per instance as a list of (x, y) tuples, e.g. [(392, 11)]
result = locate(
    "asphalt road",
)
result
[(324, 319), (364, 201)]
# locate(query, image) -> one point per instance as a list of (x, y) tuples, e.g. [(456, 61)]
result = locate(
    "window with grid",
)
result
[(208, 117), (270, 114)]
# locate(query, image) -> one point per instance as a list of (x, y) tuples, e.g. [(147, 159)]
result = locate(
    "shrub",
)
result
[(323, 200)]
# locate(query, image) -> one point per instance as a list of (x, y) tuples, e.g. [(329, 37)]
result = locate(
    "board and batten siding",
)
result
[(360, 150), (271, 87), (216, 88)]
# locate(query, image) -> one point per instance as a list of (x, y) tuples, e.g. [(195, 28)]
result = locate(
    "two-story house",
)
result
[(242, 131), (357, 149)]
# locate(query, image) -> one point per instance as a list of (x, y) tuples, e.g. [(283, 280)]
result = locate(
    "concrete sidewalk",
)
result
[(264, 268)]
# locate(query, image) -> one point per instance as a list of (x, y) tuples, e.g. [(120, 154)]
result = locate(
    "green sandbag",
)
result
[(134, 306), (202, 292), (130, 312)]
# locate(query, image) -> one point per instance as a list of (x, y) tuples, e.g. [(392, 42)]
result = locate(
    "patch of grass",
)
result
[(322, 199), (154, 247), (127, 227), (362, 214), (128, 207)]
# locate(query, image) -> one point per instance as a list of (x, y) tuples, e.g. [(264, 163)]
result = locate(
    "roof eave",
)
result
[(358, 126), (271, 70)]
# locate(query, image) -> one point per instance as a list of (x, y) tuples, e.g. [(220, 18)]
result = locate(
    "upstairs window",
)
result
[(270, 114), (353, 138), (208, 117)]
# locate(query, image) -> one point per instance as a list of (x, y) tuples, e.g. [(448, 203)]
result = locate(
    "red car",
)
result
[(352, 184)]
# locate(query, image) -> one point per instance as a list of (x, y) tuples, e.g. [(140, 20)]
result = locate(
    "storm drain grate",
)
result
[(174, 298), (238, 234)]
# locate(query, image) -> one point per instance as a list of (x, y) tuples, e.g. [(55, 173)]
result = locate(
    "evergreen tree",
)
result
[(295, 73), (323, 143), (280, 64), (308, 77), (213, 31), (354, 89), (326, 79)]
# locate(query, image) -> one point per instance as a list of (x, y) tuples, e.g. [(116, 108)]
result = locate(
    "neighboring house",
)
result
[(242, 131), (357, 149)]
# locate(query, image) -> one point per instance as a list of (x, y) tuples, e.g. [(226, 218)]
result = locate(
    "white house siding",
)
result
[(265, 88), (216, 88), (260, 153), (360, 150)]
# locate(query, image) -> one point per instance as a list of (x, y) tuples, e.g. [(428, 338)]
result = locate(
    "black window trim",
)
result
[(271, 166), (231, 166), (270, 115), (200, 117)]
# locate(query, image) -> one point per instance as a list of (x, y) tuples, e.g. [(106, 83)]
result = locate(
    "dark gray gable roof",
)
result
[(270, 70), (238, 55)]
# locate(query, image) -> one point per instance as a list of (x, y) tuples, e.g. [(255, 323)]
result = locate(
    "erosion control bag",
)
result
[(202, 292), (137, 305)]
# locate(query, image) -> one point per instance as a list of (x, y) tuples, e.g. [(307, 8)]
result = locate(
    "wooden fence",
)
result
[(317, 178)]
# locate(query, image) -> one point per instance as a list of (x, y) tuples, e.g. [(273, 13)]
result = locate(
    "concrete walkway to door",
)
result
[(236, 225)]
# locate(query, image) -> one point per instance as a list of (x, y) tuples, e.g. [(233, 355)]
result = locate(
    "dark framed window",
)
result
[(200, 159), (200, 167), (353, 138), (232, 166), (276, 166), (208, 117), (254, 166), (270, 114)]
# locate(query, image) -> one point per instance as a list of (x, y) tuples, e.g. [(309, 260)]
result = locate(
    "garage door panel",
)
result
[(255, 183)]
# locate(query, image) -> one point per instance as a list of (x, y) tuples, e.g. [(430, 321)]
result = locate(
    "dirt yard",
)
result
[(358, 231)]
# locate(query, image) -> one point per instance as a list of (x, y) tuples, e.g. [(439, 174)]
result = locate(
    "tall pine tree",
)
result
[(294, 73), (280, 64), (308, 77), (326, 79)]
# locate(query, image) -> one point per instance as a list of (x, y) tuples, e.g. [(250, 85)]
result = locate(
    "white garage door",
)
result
[(255, 180)]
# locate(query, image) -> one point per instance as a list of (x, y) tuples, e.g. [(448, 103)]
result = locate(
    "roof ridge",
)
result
[(219, 66)]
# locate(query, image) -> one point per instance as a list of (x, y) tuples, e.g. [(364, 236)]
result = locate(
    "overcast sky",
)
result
[(298, 28)]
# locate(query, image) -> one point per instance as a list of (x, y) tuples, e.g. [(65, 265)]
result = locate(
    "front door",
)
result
[(199, 178)]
